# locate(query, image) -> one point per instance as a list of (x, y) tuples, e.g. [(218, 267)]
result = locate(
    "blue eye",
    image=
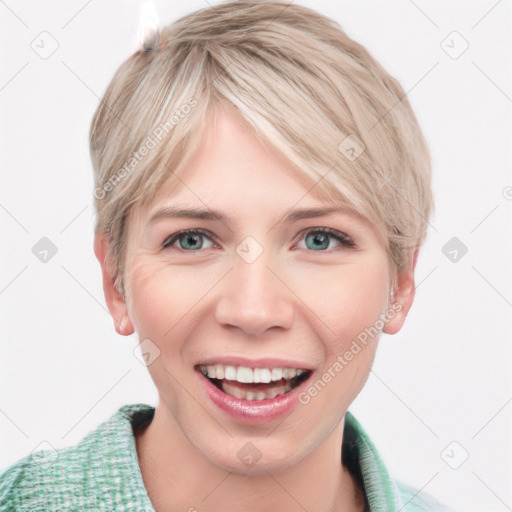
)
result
[(317, 239), (189, 240), (320, 238)]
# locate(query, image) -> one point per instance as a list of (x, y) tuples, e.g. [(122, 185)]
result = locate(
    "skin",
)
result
[(292, 301)]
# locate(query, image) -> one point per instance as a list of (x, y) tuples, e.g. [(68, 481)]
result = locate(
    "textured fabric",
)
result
[(102, 473)]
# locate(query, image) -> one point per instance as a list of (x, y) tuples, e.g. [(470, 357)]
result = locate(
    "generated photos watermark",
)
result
[(343, 360), (149, 143)]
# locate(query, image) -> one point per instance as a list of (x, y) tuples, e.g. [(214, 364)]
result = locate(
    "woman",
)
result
[(262, 190)]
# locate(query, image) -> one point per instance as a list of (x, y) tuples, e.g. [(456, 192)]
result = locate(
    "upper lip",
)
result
[(266, 362)]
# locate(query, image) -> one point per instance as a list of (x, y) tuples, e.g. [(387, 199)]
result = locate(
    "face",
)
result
[(258, 295)]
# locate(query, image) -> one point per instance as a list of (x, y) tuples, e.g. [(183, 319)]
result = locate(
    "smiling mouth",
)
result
[(254, 383)]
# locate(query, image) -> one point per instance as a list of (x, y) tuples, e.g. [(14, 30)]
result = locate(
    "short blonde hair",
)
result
[(315, 95)]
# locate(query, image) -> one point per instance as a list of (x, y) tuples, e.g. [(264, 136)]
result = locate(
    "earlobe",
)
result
[(113, 297), (402, 299)]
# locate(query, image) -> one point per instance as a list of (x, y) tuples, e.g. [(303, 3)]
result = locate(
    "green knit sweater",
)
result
[(101, 473)]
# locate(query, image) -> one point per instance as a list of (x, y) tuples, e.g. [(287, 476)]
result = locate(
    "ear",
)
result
[(402, 299), (114, 298)]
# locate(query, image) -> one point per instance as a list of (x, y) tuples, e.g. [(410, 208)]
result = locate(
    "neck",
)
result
[(178, 477)]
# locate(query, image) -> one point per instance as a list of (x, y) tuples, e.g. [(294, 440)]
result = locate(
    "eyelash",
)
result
[(344, 239)]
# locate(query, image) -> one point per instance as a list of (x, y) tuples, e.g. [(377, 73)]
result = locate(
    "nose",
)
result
[(255, 298)]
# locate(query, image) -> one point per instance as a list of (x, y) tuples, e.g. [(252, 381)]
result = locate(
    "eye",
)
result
[(318, 239), (189, 240)]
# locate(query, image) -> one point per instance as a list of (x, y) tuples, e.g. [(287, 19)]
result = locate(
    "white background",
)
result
[(445, 377)]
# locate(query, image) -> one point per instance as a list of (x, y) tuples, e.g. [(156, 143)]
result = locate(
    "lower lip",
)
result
[(252, 411)]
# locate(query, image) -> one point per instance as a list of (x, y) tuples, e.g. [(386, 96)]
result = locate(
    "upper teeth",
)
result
[(248, 375)]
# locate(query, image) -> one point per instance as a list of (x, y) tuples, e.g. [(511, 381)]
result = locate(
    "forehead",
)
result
[(235, 177), (232, 165)]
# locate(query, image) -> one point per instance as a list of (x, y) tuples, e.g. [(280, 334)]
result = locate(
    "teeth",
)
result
[(289, 373), (248, 375), (277, 373), (232, 390), (262, 375), (219, 370), (230, 373), (244, 374)]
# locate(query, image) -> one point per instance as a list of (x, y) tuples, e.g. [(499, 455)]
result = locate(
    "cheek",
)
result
[(348, 301), (350, 304), (155, 302), (163, 299), (161, 307)]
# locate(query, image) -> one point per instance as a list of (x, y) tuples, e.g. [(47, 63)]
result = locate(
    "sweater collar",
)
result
[(359, 455)]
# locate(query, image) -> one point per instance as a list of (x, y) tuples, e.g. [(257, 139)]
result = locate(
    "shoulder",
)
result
[(75, 477), (43, 479), (416, 501), (383, 492)]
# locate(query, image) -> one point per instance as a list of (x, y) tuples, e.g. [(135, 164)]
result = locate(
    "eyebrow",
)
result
[(208, 214)]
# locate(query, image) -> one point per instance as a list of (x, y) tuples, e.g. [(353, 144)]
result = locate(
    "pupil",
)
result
[(195, 241), (319, 238)]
